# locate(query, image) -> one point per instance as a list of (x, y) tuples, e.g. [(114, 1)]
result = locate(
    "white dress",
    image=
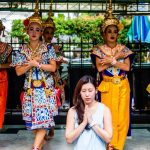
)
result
[(88, 139)]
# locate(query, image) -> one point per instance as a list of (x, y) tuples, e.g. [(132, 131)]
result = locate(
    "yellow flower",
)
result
[(120, 26)]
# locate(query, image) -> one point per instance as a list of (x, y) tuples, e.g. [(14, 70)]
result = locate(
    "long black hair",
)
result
[(77, 100)]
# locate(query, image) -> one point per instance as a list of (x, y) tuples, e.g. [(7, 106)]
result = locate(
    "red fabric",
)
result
[(21, 96), (58, 92), (3, 95)]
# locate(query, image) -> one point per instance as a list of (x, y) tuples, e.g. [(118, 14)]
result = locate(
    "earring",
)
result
[(96, 95)]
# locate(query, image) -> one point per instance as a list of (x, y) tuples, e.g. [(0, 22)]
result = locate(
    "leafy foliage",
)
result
[(18, 30), (123, 33), (85, 27)]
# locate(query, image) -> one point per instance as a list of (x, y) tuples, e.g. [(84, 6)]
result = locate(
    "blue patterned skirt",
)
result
[(38, 109)]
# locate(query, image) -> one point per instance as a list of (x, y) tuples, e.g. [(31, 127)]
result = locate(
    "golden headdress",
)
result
[(2, 27), (109, 19), (35, 17), (49, 21)]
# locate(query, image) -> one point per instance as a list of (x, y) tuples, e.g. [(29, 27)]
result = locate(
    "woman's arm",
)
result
[(73, 133), (106, 132), (123, 65), (20, 70), (107, 62), (100, 66), (6, 65), (49, 67)]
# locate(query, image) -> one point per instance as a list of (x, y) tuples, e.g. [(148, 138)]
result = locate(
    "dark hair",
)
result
[(48, 29), (77, 100)]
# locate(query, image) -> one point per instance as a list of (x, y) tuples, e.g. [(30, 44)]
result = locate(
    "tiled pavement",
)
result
[(22, 140)]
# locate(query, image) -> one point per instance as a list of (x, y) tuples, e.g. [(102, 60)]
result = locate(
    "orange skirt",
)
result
[(3, 95)]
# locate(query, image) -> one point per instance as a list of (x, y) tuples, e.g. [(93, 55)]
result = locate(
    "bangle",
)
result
[(114, 61), (39, 66)]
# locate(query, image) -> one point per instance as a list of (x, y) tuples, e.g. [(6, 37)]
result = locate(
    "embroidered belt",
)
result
[(114, 80), (37, 83)]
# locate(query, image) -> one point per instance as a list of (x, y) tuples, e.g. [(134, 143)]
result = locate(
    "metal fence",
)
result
[(79, 64)]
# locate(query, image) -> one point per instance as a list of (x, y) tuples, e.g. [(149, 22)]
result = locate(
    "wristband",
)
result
[(114, 61)]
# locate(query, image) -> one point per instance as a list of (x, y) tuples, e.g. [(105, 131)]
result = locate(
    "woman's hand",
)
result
[(38, 59), (106, 60), (120, 55), (88, 114), (32, 62), (85, 119)]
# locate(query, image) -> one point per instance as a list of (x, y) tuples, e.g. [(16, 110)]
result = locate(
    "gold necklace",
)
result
[(34, 51)]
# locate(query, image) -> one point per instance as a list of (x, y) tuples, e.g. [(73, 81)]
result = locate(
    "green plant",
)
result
[(86, 27), (18, 30)]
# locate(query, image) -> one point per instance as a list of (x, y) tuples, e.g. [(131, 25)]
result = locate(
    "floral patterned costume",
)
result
[(39, 105)]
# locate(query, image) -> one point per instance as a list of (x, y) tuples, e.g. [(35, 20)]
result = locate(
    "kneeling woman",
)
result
[(89, 123)]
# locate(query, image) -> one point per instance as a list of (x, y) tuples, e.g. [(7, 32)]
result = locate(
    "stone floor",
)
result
[(23, 139)]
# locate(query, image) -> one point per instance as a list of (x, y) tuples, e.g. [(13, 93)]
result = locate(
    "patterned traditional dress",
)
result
[(5, 51), (39, 105), (115, 93)]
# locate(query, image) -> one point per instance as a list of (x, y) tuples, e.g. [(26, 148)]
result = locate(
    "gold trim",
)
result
[(49, 21), (114, 80), (37, 83), (110, 19)]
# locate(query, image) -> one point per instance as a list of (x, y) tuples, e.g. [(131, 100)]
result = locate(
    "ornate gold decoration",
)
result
[(29, 91), (110, 19), (35, 17), (116, 80), (48, 92), (49, 21), (35, 52), (37, 83), (148, 88)]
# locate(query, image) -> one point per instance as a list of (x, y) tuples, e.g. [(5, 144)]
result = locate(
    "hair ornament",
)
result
[(49, 21), (110, 19), (34, 18)]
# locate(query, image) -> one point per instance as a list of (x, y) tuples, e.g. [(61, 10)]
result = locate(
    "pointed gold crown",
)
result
[(49, 21), (109, 19), (35, 17)]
